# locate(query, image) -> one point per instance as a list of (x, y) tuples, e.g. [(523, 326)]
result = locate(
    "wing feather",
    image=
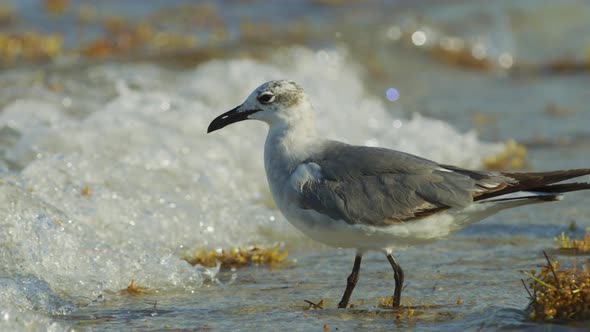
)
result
[(381, 187)]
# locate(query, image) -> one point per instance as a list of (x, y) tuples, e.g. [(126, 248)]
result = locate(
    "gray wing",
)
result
[(381, 187)]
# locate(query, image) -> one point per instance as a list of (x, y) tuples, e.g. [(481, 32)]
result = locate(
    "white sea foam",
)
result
[(102, 194)]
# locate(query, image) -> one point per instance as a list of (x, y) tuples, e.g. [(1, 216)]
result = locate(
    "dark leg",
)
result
[(351, 281), (398, 274)]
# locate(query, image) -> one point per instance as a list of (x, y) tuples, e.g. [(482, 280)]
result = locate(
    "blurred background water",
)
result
[(107, 175)]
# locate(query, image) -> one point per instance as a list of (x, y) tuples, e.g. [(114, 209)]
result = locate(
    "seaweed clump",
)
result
[(512, 157), (558, 293), (568, 246), (240, 257), (406, 313), (134, 289)]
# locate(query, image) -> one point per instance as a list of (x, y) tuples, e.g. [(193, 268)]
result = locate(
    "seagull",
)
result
[(370, 198)]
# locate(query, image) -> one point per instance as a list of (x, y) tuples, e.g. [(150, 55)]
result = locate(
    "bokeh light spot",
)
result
[(392, 94), (506, 60), (419, 38), (479, 51)]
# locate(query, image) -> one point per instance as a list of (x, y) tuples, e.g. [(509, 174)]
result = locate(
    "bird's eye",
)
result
[(266, 98)]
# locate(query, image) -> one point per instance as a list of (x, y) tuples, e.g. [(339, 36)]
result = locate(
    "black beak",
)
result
[(228, 118)]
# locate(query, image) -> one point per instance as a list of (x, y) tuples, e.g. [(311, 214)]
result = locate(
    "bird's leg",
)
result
[(351, 281), (398, 274)]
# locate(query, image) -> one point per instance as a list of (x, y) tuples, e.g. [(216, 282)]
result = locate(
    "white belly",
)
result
[(338, 233)]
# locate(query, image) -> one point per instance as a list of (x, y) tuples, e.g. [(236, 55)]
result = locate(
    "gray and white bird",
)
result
[(370, 198)]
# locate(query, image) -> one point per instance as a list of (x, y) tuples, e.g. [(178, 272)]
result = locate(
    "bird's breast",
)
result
[(277, 175)]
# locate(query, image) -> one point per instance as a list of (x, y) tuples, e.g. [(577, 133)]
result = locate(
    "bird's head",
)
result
[(279, 102)]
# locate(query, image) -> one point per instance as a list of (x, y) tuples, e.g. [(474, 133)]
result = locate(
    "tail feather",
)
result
[(527, 197), (563, 188), (540, 182), (545, 178)]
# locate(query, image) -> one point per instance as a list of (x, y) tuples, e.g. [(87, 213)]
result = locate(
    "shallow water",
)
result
[(108, 176)]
